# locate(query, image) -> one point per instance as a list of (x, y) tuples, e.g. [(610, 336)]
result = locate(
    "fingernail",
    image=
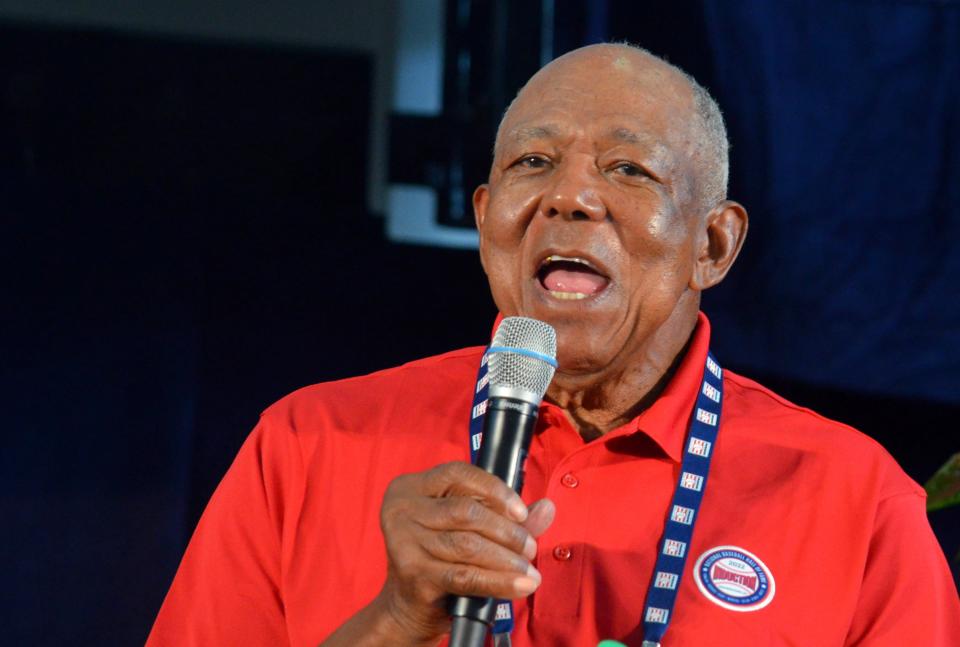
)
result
[(518, 509), (534, 573), (525, 585), (530, 548)]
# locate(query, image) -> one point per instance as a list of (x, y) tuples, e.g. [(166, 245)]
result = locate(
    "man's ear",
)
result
[(719, 242), (481, 198)]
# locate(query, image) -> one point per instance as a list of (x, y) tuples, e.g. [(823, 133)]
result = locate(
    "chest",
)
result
[(767, 563), (598, 558)]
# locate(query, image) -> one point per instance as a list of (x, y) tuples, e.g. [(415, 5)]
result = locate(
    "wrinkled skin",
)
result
[(456, 529), (596, 159)]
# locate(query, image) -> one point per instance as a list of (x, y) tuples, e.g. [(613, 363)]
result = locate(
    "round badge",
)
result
[(734, 578)]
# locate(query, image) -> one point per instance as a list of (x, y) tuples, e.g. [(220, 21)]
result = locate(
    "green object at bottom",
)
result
[(610, 643)]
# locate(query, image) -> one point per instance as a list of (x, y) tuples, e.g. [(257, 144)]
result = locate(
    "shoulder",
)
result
[(757, 417), (428, 383)]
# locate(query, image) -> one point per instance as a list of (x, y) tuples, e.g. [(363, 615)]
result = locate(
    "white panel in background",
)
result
[(412, 219), (418, 90), (418, 63)]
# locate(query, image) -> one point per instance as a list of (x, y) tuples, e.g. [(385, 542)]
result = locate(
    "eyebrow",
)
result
[(524, 134), (654, 146), (628, 136), (527, 133)]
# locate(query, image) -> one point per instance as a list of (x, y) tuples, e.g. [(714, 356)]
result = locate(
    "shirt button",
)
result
[(569, 480), (561, 553)]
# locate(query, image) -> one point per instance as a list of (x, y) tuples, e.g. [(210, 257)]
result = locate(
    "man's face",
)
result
[(590, 216)]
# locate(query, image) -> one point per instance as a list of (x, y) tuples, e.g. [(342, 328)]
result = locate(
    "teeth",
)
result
[(569, 296), (552, 259)]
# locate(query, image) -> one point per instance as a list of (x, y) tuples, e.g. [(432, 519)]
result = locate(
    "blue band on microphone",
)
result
[(526, 352)]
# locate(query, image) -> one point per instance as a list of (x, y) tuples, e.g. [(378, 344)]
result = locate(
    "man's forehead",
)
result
[(599, 80), (601, 68), (526, 132)]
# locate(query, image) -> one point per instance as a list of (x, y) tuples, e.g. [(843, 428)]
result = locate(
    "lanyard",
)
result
[(503, 622), (684, 507)]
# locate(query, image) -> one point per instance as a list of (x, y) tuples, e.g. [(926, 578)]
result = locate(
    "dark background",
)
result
[(188, 235)]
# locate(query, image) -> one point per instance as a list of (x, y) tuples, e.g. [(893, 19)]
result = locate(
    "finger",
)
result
[(542, 514), (463, 513), (463, 579), (463, 479), (472, 549)]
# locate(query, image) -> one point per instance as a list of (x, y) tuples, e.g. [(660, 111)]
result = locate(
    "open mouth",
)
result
[(570, 278)]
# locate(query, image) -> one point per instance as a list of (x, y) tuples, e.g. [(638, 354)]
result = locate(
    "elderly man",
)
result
[(351, 514)]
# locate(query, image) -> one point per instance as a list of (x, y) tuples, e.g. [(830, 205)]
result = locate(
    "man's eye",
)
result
[(532, 161), (631, 170)]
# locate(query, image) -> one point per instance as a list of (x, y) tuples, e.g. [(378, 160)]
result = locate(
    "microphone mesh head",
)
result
[(520, 372)]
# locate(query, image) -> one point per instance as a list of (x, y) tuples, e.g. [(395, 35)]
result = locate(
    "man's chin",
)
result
[(588, 357), (577, 320)]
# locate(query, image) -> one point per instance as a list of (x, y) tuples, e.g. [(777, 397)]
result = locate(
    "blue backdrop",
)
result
[(845, 121)]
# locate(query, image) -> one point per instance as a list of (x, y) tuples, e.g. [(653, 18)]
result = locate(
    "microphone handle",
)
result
[(507, 431)]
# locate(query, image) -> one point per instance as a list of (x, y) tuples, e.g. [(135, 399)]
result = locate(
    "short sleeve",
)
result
[(227, 590), (907, 596)]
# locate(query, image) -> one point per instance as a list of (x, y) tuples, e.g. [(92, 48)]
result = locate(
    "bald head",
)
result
[(707, 143)]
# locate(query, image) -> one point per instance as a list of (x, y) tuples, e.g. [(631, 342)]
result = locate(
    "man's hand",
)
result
[(454, 529)]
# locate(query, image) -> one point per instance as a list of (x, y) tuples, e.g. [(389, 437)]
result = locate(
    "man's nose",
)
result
[(574, 193)]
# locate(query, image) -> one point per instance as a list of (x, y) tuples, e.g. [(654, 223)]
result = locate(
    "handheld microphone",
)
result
[(521, 362)]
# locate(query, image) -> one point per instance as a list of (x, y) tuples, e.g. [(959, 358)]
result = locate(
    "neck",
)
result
[(598, 403)]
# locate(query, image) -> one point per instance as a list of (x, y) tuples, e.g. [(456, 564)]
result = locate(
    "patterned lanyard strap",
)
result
[(503, 622), (684, 508)]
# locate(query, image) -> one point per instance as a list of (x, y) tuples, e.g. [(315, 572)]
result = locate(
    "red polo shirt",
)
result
[(290, 545)]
